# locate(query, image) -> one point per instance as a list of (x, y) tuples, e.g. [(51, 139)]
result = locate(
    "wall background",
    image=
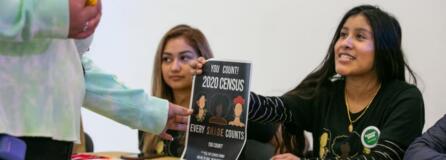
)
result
[(284, 39)]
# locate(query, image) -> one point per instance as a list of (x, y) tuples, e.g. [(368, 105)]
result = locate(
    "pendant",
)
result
[(366, 150), (350, 128)]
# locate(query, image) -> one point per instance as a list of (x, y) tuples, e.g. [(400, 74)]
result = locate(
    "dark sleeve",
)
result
[(261, 132), (140, 140), (267, 109), (431, 145), (287, 109), (402, 125)]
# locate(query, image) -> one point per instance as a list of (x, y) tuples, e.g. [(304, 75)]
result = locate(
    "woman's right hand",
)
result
[(197, 65), (83, 18), (177, 118)]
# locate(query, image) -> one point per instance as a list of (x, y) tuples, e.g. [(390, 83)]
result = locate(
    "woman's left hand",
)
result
[(197, 65)]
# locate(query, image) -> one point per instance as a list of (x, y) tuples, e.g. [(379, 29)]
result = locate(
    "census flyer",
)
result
[(220, 96)]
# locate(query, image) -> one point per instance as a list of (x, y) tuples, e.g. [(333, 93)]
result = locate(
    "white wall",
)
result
[(284, 39)]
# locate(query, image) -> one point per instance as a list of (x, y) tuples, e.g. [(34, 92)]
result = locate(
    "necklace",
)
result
[(350, 126)]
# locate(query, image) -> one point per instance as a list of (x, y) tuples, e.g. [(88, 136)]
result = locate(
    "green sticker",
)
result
[(370, 136)]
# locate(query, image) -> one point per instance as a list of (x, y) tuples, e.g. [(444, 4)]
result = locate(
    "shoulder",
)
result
[(401, 97), (396, 89), (429, 145), (442, 125)]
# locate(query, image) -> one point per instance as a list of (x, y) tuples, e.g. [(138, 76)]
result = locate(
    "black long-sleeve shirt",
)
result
[(397, 111)]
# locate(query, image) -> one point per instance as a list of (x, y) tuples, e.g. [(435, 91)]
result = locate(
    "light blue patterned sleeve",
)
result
[(23, 20), (131, 107)]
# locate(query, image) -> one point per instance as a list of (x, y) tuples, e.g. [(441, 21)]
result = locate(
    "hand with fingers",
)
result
[(177, 120), (197, 65), (285, 156), (84, 18)]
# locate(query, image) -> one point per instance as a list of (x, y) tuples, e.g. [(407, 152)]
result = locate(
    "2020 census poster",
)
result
[(220, 96)]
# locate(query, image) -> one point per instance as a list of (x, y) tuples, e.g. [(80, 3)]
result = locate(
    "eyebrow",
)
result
[(182, 52), (186, 51), (358, 30), (363, 30)]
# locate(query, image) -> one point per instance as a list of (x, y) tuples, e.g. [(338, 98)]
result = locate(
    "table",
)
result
[(116, 155)]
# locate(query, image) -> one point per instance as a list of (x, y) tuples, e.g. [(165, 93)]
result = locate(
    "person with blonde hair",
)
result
[(172, 80)]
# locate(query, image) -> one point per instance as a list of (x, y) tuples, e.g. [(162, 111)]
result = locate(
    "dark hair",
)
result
[(293, 141), (219, 101), (389, 61), (194, 103)]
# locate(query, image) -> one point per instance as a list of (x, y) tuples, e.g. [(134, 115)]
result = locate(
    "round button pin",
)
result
[(370, 136)]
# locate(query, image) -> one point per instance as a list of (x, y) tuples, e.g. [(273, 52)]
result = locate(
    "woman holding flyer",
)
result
[(357, 103)]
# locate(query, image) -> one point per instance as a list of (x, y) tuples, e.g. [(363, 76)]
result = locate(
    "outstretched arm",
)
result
[(131, 107), (268, 109)]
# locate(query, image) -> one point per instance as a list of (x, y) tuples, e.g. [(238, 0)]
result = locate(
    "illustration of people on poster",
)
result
[(217, 128)]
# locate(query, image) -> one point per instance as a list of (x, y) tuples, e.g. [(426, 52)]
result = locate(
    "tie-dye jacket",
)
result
[(42, 86)]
